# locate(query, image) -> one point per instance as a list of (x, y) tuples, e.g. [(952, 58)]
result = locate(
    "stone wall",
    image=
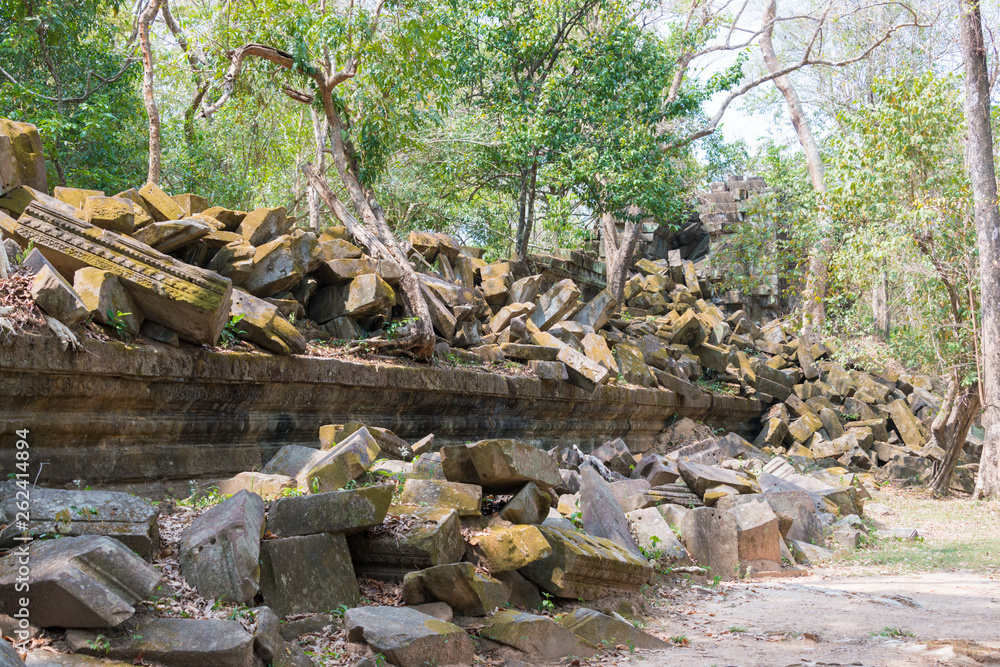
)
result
[(116, 414)]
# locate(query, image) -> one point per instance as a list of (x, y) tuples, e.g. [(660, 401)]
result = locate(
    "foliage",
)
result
[(903, 206), (118, 323), (58, 52), (230, 332)]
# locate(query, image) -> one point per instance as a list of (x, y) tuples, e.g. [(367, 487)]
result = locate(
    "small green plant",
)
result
[(99, 643), (392, 328), (679, 640), (240, 611), (339, 611), (654, 540), (736, 629), (116, 320), (291, 493), (715, 580), (892, 633), (23, 255), (547, 603), (230, 331)]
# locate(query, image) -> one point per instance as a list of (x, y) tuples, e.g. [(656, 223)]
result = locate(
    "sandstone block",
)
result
[(525, 290), (597, 628), (102, 293), (219, 550), (264, 485), (586, 567), (26, 153), (159, 204), (559, 303), (347, 512), (758, 537), (535, 635), (409, 638), (234, 261), (432, 537), (331, 470), (583, 372), (598, 310), (602, 515), (463, 498), (655, 535), (79, 582), (56, 297), (262, 325), (711, 537), (117, 215), (530, 505), (499, 465), (263, 225), (701, 478), (280, 264), (457, 584), (509, 548), (307, 574)]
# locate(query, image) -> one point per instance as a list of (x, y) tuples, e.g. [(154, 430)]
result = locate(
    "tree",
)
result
[(145, 21), (368, 70), (982, 176), (69, 68)]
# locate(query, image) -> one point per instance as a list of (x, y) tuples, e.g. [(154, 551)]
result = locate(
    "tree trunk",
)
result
[(880, 305), (949, 431), (319, 136), (526, 214), (982, 175), (146, 18), (618, 253), (813, 311)]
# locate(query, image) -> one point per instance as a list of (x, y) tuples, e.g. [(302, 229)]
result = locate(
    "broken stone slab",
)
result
[(75, 196), (600, 629), (711, 537), (392, 445), (270, 646), (654, 534), (811, 553), (26, 154), (264, 224), (538, 636), (261, 324), (582, 566), (597, 350), (758, 537), (559, 303), (8, 655), (159, 204), (503, 317), (632, 367), (700, 478), (906, 424), (219, 550), (168, 236), (509, 548), (105, 297), (457, 584), (530, 505), (412, 538), (333, 469), (549, 370), (52, 293), (525, 290), (191, 301), (409, 638), (499, 465), (463, 498), (797, 506), (583, 372), (616, 456), (657, 470), (598, 310), (280, 264), (346, 512), (176, 642), (524, 352), (234, 261), (307, 574), (601, 514), (264, 485), (90, 581), (129, 519), (366, 295)]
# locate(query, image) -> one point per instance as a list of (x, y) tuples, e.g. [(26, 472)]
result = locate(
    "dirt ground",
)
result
[(935, 601)]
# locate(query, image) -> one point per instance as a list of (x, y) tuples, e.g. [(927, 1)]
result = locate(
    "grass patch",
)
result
[(892, 633), (958, 534)]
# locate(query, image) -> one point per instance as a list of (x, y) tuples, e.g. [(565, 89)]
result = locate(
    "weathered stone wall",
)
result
[(113, 414)]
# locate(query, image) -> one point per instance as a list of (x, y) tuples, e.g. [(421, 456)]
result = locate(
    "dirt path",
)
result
[(931, 602)]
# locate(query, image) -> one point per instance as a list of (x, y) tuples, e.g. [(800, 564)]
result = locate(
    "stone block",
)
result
[(234, 261), (463, 498), (307, 574), (530, 505), (219, 550), (656, 469), (654, 534), (102, 293), (702, 477), (549, 370), (280, 264), (583, 372), (159, 204), (508, 548), (598, 310), (601, 514), (25, 153), (348, 512), (90, 581), (597, 628), (906, 424), (499, 465), (632, 367), (264, 485), (191, 301), (55, 296), (597, 350), (561, 302), (112, 213), (263, 325), (582, 566), (711, 537), (264, 224), (457, 584), (409, 638), (537, 636), (176, 642), (333, 469), (422, 537), (129, 519), (758, 537)]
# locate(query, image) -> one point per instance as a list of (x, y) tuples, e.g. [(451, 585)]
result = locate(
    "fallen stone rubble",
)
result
[(490, 548)]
